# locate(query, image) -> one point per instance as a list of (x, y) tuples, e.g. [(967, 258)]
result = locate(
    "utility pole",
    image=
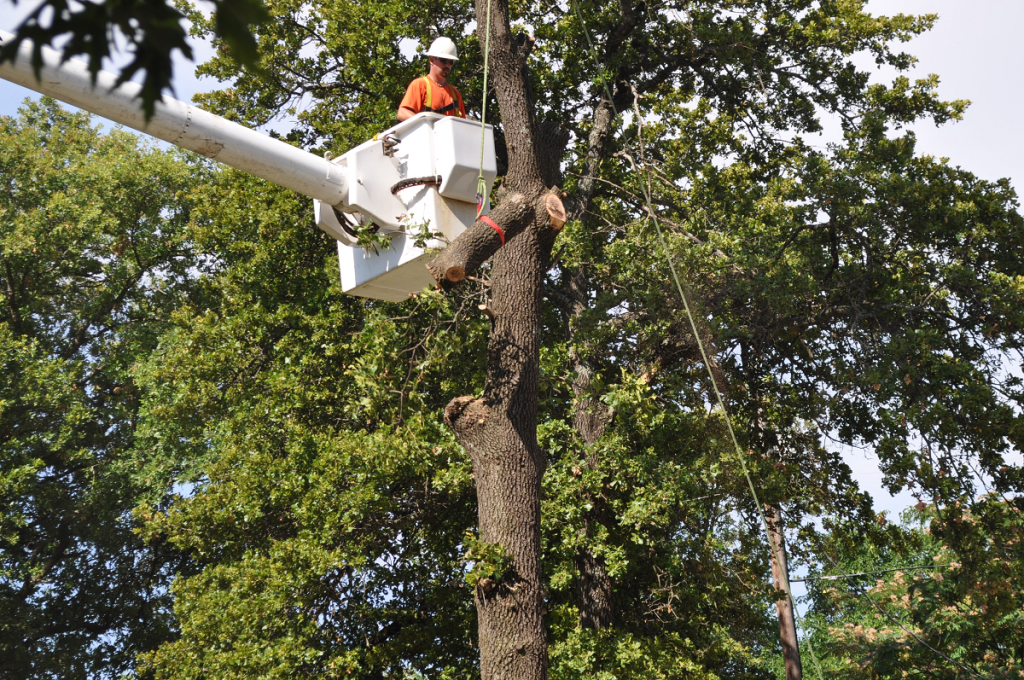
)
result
[(780, 576)]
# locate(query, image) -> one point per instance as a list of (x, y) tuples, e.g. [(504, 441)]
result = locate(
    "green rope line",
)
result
[(700, 343), (646, 186), (593, 54), (481, 183)]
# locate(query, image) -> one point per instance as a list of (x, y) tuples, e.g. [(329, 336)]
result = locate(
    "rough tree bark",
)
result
[(766, 442), (594, 593), (590, 418), (499, 430)]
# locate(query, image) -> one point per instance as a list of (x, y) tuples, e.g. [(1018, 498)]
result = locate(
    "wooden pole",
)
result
[(780, 575)]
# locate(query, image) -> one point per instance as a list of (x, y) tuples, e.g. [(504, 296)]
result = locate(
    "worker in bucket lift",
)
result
[(433, 92)]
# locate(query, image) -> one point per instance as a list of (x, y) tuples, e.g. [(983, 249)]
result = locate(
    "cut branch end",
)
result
[(556, 211)]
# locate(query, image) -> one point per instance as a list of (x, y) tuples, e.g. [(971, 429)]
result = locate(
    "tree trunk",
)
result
[(500, 434), (593, 586), (593, 591), (499, 430), (780, 576), (590, 418), (766, 442)]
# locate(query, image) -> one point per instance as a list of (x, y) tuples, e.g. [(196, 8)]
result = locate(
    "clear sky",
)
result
[(975, 48)]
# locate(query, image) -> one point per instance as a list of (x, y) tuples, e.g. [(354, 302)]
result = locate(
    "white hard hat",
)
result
[(443, 48)]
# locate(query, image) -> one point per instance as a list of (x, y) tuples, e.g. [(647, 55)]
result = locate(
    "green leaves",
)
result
[(179, 345), (319, 489), (92, 260), (488, 563), (961, 602), (151, 30)]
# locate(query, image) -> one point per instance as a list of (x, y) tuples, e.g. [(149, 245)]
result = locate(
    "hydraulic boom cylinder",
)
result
[(180, 124)]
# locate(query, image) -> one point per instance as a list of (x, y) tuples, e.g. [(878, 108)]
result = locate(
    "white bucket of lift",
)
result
[(427, 146), (359, 183)]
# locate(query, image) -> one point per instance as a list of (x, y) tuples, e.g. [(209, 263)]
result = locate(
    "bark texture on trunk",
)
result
[(499, 430), (593, 591), (511, 87), (590, 418), (594, 594), (766, 442), (593, 586), (784, 606)]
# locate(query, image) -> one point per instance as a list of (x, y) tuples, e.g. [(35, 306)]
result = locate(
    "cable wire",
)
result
[(646, 187), (862, 593), (839, 577)]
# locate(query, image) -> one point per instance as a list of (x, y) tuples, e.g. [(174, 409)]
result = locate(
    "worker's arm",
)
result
[(412, 102)]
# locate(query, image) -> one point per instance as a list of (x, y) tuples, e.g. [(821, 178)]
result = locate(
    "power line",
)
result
[(840, 577), (860, 592)]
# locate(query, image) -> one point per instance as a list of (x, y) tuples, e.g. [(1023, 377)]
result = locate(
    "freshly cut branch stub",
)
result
[(481, 240), (556, 211)]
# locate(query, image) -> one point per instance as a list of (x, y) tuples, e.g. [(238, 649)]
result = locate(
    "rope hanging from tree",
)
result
[(481, 183), (646, 188)]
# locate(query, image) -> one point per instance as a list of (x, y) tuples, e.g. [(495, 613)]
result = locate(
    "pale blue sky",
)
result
[(975, 48)]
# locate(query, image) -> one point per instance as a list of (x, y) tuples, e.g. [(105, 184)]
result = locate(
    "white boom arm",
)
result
[(180, 124), (437, 157)]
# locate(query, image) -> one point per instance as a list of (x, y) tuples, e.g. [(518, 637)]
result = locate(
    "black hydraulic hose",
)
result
[(415, 182)]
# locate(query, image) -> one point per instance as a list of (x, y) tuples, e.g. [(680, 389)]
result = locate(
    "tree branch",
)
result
[(477, 244)]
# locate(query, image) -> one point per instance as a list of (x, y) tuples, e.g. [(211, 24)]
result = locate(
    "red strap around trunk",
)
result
[(489, 222)]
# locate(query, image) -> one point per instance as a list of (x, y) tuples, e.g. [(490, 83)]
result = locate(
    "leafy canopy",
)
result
[(853, 293)]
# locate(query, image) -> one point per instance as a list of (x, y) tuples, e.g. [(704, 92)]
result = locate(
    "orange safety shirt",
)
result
[(425, 95)]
